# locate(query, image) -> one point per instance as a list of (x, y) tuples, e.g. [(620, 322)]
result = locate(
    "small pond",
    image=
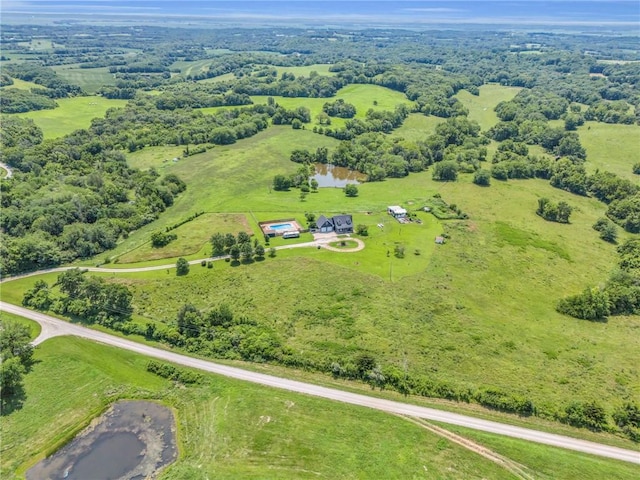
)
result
[(332, 176), (133, 440)]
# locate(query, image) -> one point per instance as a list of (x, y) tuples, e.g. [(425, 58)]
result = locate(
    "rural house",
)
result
[(337, 223)]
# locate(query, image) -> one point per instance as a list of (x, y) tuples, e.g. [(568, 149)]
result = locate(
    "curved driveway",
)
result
[(53, 327)]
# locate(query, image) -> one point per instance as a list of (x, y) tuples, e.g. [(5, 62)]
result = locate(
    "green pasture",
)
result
[(71, 114), (219, 78), (40, 45), (612, 148), (460, 312), (417, 127), (226, 428), (481, 106), (157, 157), (89, 79), (21, 84), (305, 70), (361, 96)]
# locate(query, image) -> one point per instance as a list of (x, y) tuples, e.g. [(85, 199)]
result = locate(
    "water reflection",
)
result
[(332, 176)]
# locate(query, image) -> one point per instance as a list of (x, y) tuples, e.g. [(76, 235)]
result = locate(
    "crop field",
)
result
[(231, 429), (71, 114), (613, 148), (481, 106), (89, 79)]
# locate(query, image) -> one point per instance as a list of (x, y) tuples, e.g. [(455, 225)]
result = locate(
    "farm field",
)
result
[(285, 434), (613, 148), (71, 114), (89, 79)]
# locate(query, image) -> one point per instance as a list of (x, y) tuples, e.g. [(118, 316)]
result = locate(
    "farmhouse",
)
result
[(396, 211), (337, 223)]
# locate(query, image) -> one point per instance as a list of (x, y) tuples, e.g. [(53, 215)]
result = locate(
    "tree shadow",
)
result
[(13, 402)]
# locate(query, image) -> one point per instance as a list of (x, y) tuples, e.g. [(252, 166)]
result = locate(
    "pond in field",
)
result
[(332, 176), (133, 440)]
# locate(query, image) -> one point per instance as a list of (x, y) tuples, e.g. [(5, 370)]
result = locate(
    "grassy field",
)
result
[(34, 327), (361, 96), (71, 114), (89, 79), (227, 428), (614, 148), (481, 106), (282, 435), (417, 127), (478, 311), (565, 464), (21, 84)]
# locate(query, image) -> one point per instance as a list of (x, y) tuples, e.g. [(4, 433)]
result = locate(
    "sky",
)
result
[(510, 12)]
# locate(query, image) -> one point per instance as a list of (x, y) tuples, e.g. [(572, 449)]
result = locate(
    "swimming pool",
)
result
[(281, 226)]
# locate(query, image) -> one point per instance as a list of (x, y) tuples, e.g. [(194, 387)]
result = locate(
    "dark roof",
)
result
[(342, 220), (322, 221)]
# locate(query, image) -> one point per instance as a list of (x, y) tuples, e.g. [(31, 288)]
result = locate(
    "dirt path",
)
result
[(60, 327), (520, 471), (8, 169)]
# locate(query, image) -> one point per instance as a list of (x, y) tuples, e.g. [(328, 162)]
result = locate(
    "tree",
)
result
[(272, 252), (564, 211), (229, 240), (182, 266), (259, 251), (281, 183), (362, 230), (482, 177), (446, 171), (609, 233), (15, 341), (11, 373), (234, 252), (246, 250), (296, 124), (243, 237), (217, 244), (351, 190), (189, 321), (314, 185)]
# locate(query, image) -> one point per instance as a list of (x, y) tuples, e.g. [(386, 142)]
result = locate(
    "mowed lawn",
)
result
[(612, 148), (71, 114), (226, 428)]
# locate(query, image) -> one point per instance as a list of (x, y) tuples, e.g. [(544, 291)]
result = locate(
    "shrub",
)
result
[(351, 190), (182, 266), (482, 178), (362, 230)]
